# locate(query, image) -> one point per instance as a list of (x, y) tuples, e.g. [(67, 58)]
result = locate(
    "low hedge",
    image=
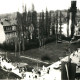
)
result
[(28, 45)]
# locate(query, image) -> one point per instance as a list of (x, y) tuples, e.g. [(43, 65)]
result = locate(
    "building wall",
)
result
[(10, 33), (2, 34)]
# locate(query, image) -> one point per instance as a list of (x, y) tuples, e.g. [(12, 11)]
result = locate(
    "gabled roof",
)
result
[(8, 19), (13, 22), (6, 23)]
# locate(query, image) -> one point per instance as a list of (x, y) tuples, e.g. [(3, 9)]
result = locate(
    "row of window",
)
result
[(8, 28)]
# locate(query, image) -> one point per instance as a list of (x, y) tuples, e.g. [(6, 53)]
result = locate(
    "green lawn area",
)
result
[(52, 50)]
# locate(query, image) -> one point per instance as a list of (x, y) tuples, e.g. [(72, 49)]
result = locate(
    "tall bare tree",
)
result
[(53, 24), (19, 30), (34, 22), (60, 25), (40, 31), (68, 23), (56, 26), (47, 23), (29, 21), (24, 24)]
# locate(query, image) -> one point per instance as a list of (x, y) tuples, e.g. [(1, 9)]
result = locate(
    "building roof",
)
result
[(6, 23), (13, 22), (8, 19)]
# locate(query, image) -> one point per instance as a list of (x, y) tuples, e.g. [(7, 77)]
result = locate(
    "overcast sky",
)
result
[(8, 6)]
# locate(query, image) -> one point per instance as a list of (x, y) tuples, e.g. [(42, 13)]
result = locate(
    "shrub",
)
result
[(66, 38), (50, 39), (45, 57)]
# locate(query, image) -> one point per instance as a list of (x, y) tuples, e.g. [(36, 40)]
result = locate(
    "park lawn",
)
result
[(52, 50)]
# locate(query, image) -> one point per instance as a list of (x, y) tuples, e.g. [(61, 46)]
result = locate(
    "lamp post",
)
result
[(73, 10)]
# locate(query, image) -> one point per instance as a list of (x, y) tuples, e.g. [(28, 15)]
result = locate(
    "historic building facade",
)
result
[(9, 29)]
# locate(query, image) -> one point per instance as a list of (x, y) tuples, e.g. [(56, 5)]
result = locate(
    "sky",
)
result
[(9, 6)]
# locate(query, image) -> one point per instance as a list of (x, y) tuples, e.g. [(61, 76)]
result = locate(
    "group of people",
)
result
[(5, 63), (35, 74)]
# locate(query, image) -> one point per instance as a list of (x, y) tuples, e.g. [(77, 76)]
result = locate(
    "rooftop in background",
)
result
[(8, 19)]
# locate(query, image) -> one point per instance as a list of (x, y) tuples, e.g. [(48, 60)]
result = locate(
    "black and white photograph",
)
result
[(39, 39)]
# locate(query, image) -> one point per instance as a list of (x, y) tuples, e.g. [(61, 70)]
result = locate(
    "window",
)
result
[(13, 27)]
